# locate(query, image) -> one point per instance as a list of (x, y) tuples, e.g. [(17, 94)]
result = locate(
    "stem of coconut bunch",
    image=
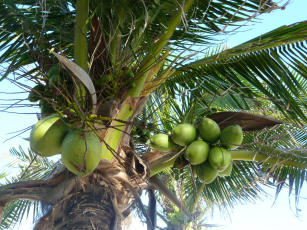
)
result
[(246, 155), (80, 43), (80, 40), (238, 155)]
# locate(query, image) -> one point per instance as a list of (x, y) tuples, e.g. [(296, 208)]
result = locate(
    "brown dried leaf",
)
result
[(80, 74), (248, 121)]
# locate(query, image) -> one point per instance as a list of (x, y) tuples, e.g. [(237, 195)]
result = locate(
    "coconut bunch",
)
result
[(54, 87), (80, 150), (206, 147), (52, 90)]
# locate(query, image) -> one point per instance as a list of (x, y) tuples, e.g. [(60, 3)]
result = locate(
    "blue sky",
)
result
[(295, 11), (260, 215)]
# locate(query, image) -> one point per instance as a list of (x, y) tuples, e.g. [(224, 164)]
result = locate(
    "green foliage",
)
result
[(2, 175), (245, 180), (284, 142), (27, 36), (264, 75), (264, 63), (28, 166)]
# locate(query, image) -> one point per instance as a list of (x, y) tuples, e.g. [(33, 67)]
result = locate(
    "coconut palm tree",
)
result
[(122, 69)]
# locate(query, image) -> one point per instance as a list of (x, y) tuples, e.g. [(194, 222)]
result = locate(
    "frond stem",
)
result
[(245, 155)]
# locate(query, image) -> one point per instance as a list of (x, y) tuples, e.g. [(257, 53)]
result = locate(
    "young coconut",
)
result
[(219, 158), (206, 172), (36, 93), (183, 134), (232, 136), (81, 152), (46, 108), (162, 142), (47, 136), (197, 152), (227, 171), (209, 130)]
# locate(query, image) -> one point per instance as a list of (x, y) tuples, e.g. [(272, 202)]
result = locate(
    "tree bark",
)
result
[(100, 200), (89, 207)]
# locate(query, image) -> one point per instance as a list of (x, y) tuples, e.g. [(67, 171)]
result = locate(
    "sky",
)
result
[(259, 215)]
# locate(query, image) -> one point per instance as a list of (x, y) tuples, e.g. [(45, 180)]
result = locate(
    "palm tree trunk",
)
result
[(101, 200), (89, 208)]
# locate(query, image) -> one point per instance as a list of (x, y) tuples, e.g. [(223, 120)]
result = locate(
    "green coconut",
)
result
[(209, 130), (81, 152), (232, 136), (227, 171), (194, 170), (162, 142), (54, 80), (46, 108), (206, 172), (183, 134), (36, 93), (197, 152), (129, 73), (219, 158), (47, 136)]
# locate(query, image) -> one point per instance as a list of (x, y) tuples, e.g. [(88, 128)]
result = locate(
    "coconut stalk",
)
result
[(80, 40), (113, 134), (116, 41), (159, 161), (80, 43), (244, 155)]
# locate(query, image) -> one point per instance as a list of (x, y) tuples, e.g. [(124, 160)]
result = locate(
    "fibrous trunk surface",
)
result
[(99, 201), (88, 209)]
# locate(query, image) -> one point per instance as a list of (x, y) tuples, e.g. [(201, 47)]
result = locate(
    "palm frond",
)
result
[(282, 142), (30, 30), (30, 167), (17, 211), (2, 176), (265, 65)]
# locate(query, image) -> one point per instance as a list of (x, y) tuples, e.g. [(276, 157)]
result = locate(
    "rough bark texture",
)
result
[(89, 208), (99, 200)]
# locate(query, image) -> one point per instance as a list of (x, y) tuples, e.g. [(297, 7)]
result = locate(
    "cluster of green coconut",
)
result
[(50, 92), (207, 147), (80, 150)]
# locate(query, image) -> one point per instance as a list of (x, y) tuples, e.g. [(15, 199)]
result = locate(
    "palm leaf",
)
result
[(2, 175), (31, 167), (30, 29), (244, 183), (282, 142), (26, 35), (260, 63)]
